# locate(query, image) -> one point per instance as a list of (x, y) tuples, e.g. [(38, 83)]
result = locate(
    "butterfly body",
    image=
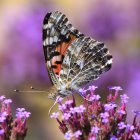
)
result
[(72, 59)]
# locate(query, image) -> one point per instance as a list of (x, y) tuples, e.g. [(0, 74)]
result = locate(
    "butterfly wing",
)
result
[(84, 61), (58, 34)]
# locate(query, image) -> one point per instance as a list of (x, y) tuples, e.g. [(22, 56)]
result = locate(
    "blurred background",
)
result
[(22, 64)]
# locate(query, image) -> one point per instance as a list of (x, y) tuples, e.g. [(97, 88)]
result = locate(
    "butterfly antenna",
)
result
[(29, 91), (53, 105)]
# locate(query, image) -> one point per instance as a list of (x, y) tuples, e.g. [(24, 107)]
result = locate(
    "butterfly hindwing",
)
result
[(84, 61)]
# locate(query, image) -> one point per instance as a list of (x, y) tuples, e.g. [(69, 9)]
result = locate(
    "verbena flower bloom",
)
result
[(109, 106), (95, 119), (136, 136), (117, 88), (113, 138), (66, 116), (122, 125), (68, 135), (124, 98), (55, 115), (92, 88), (62, 107), (12, 128), (77, 134), (95, 129)]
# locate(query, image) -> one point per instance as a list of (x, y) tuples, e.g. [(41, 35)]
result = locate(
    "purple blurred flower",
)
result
[(66, 116), (77, 134), (92, 88), (109, 106), (117, 88), (26, 42), (113, 138), (121, 112), (95, 129), (94, 97), (106, 21), (62, 107), (68, 135), (7, 101), (82, 91), (2, 98), (124, 98), (136, 136), (130, 127), (55, 115), (104, 115), (68, 102), (136, 113), (12, 128), (92, 138), (122, 125), (1, 131)]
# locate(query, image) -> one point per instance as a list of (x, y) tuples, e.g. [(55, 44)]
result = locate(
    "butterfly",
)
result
[(72, 59)]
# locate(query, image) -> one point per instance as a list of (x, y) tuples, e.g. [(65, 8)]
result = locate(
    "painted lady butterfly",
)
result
[(72, 59)]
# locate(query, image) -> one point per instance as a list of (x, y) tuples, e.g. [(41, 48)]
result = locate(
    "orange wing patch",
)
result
[(57, 60)]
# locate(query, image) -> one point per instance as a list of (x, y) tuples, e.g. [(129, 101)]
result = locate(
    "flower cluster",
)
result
[(12, 128), (97, 120)]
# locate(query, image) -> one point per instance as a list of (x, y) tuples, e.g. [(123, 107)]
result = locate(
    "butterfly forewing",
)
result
[(58, 34)]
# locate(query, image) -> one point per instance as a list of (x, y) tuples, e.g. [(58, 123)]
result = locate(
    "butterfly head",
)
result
[(61, 93)]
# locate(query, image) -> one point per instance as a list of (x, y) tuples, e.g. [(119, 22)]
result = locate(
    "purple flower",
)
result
[(12, 128), (136, 136), (109, 106), (130, 127), (121, 125), (81, 109), (72, 110), (113, 138), (4, 114), (2, 98), (121, 112), (2, 119), (88, 119), (105, 120), (95, 129), (7, 101), (136, 113), (20, 109), (55, 115), (94, 97), (1, 132), (92, 138), (92, 88), (82, 91), (68, 135), (21, 113), (62, 107), (60, 100), (69, 102), (124, 98), (66, 116), (117, 88), (77, 134), (104, 115)]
